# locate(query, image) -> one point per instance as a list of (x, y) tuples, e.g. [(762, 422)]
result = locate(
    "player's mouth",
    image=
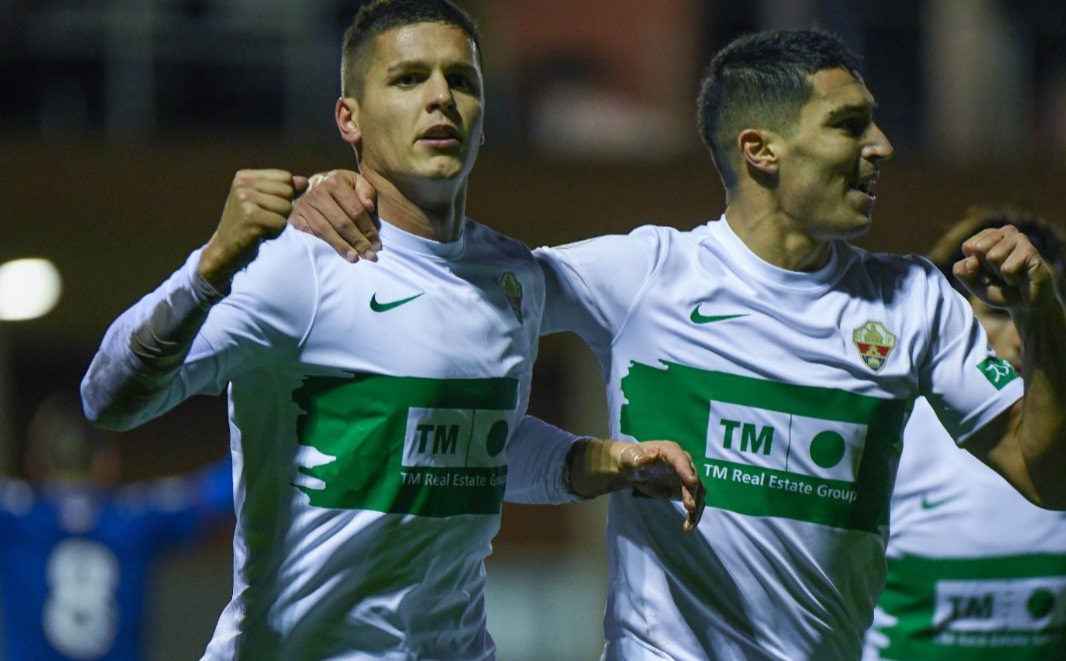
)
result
[(441, 136), (864, 185)]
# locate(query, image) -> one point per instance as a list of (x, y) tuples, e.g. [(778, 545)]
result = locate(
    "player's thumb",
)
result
[(299, 183)]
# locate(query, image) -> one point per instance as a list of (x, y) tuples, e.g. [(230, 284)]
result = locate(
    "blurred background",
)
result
[(123, 121)]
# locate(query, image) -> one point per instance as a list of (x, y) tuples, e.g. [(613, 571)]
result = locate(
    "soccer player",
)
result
[(76, 549), (371, 408), (787, 362), (975, 571)]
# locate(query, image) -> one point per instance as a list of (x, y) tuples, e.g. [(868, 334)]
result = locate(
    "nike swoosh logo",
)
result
[(698, 318), (385, 307), (933, 504)]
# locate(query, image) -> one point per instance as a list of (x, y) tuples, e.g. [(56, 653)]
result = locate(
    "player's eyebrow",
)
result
[(405, 65), (863, 108)]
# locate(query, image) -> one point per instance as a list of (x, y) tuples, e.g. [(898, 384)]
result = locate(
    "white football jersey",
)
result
[(371, 412), (791, 391), (975, 571)]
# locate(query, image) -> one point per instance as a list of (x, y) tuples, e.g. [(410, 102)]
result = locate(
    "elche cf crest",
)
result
[(875, 344), (512, 291)]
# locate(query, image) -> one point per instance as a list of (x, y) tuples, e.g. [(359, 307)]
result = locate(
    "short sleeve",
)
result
[(963, 379), (591, 286)]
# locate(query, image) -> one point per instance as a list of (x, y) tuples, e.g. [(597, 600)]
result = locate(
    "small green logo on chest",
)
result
[(698, 318), (511, 287), (385, 307)]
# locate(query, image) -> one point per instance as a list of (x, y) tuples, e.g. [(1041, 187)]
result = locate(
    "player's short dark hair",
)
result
[(760, 80), (383, 15), (1048, 239)]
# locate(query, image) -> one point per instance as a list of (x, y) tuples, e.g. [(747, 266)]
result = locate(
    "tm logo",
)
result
[(445, 439), (1014, 604), (827, 449), (453, 438), (753, 438)]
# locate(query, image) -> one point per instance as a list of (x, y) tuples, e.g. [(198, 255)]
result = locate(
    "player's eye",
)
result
[(407, 80), (462, 82)]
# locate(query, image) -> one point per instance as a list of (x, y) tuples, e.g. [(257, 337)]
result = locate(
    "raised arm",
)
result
[(133, 376), (1026, 444)]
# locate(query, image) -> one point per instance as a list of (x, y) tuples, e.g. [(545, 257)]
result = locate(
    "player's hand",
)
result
[(256, 209), (661, 469), (1003, 268), (340, 207)]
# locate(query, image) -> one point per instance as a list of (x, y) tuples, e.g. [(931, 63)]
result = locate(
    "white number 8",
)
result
[(80, 616)]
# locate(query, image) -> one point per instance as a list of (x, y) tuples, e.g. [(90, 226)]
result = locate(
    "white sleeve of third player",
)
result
[(536, 456), (591, 286), (962, 377)]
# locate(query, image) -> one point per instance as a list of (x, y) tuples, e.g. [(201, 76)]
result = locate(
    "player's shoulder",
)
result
[(894, 267), (642, 239), (282, 256), (487, 243)]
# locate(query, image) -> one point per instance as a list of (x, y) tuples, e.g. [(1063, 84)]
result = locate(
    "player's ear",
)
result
[(347, 117), (759, 150)]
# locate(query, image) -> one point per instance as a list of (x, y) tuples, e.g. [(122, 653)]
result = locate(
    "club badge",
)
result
[(875, 344), (512, 291)]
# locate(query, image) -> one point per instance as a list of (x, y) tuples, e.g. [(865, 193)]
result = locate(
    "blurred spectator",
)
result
[(76, 548)]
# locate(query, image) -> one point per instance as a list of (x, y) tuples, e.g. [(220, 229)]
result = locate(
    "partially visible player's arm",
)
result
[(591, 286), (660, 469), (133, 376), (1026, 444), (548, 465)]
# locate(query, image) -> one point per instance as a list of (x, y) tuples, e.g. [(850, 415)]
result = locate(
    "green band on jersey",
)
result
[(431, 447), (765, 448), (976, 609)]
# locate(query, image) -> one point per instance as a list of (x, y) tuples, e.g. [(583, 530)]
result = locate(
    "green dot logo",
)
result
[(497, 438), (827, 449), (1040, 604)]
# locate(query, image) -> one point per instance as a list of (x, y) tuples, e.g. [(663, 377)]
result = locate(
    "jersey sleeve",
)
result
[(962, 378), (185, 339), (591, 286), (536, 456)]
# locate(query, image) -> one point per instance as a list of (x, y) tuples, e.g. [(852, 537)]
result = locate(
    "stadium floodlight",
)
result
[(29, 288)]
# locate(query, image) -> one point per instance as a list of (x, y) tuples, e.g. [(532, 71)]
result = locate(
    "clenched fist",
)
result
[(256, 210)]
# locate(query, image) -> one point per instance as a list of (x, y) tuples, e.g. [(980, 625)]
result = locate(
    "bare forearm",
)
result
[(1042, 430)]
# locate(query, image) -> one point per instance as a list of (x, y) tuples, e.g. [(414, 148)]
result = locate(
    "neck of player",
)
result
[(432, 209), (776, 238)]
